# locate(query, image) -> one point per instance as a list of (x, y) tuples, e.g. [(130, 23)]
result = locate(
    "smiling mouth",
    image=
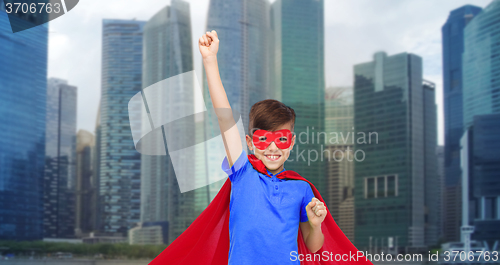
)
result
[(273, 157)]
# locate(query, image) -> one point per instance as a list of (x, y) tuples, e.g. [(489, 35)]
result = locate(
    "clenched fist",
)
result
[(209, 44), (316, 212)]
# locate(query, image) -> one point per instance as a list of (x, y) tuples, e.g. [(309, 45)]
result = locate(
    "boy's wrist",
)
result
[(315, 227), (209, 59)]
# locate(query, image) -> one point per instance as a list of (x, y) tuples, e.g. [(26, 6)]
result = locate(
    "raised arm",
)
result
[(209, 45)]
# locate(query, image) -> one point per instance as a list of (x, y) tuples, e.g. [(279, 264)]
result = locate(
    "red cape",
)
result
[(206, 240)]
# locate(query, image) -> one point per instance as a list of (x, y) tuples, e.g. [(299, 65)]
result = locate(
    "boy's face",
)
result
[(272, 157)]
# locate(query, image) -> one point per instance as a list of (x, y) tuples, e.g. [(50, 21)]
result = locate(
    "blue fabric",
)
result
[(264, 215)]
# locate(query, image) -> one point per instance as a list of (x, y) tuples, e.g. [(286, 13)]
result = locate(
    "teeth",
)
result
[(273, 157)]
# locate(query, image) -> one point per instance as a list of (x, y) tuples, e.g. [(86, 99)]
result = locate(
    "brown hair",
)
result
[(270, 114)]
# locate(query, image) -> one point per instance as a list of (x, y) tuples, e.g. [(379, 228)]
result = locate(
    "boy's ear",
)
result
[(293, 142), (249, 142)]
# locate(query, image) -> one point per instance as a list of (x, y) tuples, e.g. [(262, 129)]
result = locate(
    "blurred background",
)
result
[(397, 103)]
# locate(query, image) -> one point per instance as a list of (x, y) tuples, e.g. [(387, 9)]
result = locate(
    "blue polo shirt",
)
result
[(264, 215)]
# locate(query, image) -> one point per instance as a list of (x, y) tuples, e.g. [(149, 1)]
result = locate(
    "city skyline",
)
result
[(391, 95), (343, 21)]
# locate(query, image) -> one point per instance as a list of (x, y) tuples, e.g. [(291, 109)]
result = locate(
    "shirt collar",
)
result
[(268, 172)]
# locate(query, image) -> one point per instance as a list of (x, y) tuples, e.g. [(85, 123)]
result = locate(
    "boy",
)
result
[(264, 211), (263, 214)]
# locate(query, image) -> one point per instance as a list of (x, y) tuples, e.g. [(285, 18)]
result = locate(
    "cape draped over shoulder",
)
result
[(206, 240)]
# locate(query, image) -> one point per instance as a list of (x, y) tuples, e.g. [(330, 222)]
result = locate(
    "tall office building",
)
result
[(244, 57), (480, 167), (339, 190), (96, 176), (168, 52), (432, 186), (453, 47), (85, 185), (339, 113), (23, 86), (481, 64), (440, 174), (481, 101), (244, 60), (204, 195), (452, 203), (299, 75), (390, 129), (120, 163), (60, 160)]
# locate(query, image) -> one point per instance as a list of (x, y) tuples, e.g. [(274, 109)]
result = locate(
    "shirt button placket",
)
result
[(275, 193)]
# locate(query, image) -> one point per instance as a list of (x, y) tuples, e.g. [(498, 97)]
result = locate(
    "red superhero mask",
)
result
[(282, 138)]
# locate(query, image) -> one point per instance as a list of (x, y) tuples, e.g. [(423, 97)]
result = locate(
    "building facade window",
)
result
[(381, 186)]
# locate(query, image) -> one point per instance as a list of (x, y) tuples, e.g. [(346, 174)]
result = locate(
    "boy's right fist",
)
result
[(209, 44)]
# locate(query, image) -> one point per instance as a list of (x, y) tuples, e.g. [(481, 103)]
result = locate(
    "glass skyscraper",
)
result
[(339, 113), (23, 87), (85, 209), (243, 28), (120, 163), (481, 120), (453, 47), (339, 166), (96, 165), (299, 76), (432, 183), (244, 59), (168, 52), (481, 64), (440, 174), (60, 160), (482, 159), (389, 128)]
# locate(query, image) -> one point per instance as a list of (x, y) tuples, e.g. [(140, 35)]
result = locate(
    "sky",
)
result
[(354, 31)]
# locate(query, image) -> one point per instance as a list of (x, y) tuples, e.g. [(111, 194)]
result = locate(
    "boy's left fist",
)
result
[(316, 212)]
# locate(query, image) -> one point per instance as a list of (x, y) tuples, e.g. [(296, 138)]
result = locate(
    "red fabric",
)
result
[(206, 240)]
